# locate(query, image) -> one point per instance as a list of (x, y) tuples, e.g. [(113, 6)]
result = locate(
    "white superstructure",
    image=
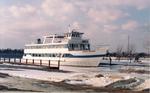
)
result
[(70, 49)]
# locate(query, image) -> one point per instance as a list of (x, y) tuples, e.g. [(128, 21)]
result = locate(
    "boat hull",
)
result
[(80, 62)]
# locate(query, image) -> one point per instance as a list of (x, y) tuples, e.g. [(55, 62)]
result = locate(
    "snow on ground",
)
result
[(2, 80), (144, 85), (75, 76), (95, 76), (36, 74)]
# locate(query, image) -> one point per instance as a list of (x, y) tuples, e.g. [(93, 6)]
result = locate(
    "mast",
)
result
[(128, 44), (44, 40)]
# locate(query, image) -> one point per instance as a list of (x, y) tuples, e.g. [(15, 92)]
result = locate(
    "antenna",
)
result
[(69, 28)]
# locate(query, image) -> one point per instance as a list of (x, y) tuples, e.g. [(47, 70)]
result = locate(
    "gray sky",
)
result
[(103, 21)]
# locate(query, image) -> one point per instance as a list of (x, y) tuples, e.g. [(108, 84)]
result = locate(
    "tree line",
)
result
[(17, 53), (129, 53)]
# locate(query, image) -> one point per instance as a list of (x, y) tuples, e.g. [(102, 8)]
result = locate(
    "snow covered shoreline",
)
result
[(92, 76)]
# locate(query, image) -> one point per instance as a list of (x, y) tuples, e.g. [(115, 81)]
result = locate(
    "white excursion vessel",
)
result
[(71, 49)]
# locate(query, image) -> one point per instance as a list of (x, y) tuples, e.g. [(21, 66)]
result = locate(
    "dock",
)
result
[(32, 62)]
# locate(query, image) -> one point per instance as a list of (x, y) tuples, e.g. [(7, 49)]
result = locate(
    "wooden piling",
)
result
[(58, 64), (20, 60), (40, 62), (14, 60), (4, 59), (1, 60), (49, 63), (26, 61), (110, 60), (9, 60), (33, 61)]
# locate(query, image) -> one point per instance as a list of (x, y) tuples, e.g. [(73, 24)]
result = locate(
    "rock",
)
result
[(3, 87), (66, 80), (146, 90), (99, 75), (126, 84), (4, 75)]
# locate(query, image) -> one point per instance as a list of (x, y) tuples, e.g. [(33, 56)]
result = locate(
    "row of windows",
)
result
[(73, 35), (48, 55), (70, 46), (79, 46), (45, 46)]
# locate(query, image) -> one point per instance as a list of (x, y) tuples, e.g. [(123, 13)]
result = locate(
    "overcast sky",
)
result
[(103, 21)]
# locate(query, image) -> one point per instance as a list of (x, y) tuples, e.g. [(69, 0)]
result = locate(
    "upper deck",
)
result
[(72, 40)]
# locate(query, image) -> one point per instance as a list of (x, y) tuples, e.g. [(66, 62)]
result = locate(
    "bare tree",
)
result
[(119, 51), (131, 51)]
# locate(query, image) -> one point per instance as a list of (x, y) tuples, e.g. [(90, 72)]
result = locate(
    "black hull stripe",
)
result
[(86, 56)]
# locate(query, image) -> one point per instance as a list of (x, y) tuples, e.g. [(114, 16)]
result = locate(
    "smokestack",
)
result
[(38, 41)]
